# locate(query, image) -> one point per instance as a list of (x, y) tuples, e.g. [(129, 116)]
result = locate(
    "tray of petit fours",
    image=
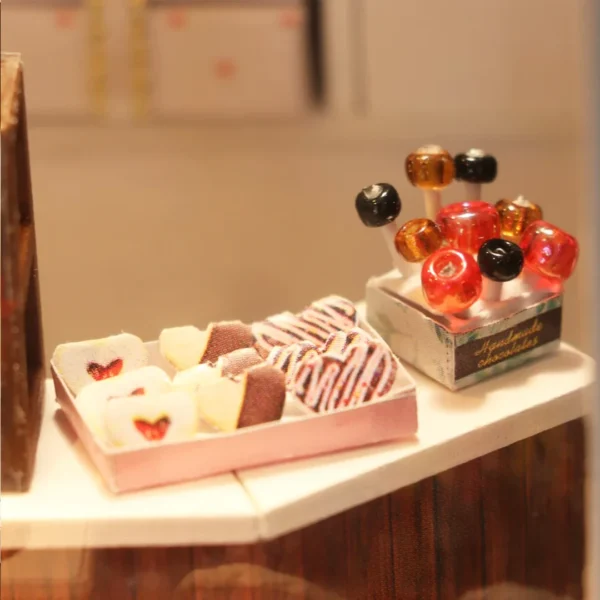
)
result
[(232, 396)]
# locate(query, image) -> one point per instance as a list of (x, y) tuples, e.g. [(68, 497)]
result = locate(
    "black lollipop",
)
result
[(499, 261), (475, 167), (379, 205)]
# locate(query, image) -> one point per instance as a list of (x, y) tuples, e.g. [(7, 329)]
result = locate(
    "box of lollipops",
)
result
[(198, 402), (476, 287)]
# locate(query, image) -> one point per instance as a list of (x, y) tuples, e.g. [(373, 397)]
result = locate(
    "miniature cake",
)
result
[(257, 396), (349, 373), (289, 358), (187, 346), (81, 363), (314, 324), (166, 417), (92, 401)]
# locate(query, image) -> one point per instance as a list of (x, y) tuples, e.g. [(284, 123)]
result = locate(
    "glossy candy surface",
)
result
[(451, 280), (418, 239), (378, 204), (475, 166), (430, 168), (549, 251), (467, 225), (500, 260), (515, 216)]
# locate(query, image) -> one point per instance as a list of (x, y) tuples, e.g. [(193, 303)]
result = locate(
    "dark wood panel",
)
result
[(504, 512), (159, 571), (459, 544), (413, 542), (555, 531), (114, 575), (508, 525)]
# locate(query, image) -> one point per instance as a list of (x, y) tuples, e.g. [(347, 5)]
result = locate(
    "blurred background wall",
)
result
[(196, 161)]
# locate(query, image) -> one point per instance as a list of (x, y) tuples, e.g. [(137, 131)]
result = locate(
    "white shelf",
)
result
[(68, 505), (454, 428)]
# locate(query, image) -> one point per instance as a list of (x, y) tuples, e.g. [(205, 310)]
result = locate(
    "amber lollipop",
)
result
[(430, 168), (515, 216), (418, 239)]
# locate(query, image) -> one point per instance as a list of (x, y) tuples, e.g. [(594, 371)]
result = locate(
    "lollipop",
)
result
[(549, 251), (499, 261), (515, 216), (418, 239), (451, 280), (379, 205), (430, 168), (467, 225), (475, 167)]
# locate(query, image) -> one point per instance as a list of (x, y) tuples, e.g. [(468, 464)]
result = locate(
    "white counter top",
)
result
[(68, 505)]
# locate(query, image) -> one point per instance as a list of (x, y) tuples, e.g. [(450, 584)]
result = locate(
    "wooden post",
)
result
[(22, 343)]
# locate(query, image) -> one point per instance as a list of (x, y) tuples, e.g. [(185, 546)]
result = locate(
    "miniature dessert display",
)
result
[(23, 372), (483, 291), (233, 395)]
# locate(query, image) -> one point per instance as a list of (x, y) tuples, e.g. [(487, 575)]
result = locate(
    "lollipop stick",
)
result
[(433, 203), (473, 191), (491, 290), (389, 234)]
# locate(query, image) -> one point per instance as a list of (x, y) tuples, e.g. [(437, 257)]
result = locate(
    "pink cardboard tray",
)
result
[(300, 433)]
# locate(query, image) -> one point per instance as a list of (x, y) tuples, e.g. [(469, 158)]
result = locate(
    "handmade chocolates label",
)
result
[(486, 352)]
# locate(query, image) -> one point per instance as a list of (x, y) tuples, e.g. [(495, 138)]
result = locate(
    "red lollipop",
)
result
[(549, 251), (451, 280), (467, 225)]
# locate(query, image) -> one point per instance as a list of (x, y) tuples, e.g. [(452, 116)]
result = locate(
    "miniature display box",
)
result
[(477, 287), (22, 348), (200, 402)]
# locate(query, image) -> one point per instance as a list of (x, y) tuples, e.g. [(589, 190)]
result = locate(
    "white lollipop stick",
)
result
[(389, 235), (433, 203), (491, 290), (473, 191)]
